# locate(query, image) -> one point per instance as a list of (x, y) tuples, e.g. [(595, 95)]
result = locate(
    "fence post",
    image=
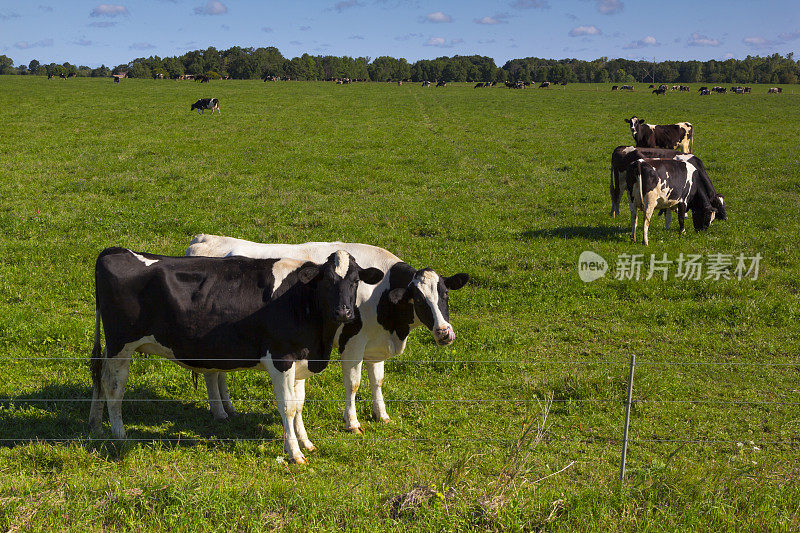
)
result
[(627, 419)]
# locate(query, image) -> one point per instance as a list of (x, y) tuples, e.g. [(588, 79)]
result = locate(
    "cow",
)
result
[(221, 314), (478, 85), (426, 83), (386, 313), (623, 156), (704, 92), (544, 85), (775, 90), (116, 79), (668, 184), (660, 90), (661, 136), (747, 90), (626, 87), (441, 83), (684, 88), (206, 103), (615, 87), (650, 86)]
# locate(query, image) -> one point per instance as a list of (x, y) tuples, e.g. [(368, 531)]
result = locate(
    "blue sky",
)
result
[(116, 31)]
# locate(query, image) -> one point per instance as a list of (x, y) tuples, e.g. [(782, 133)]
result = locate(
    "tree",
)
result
[(6, 65), (33, 66)]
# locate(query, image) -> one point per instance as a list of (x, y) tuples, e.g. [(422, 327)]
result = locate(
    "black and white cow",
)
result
[(623, 156), (221, 314), (669, 184), (662, 136), (206, 103), (387, 312)]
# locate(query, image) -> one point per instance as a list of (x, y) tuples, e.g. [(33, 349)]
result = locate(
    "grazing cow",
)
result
[(661, 136), (426, 83), (206, 103), (775, 90), (544, 85), (386, 313), (62, 76), (221, 314), (441, 83), (747, 90), (563, 84), (626, 88), (704, 92), (650, 86), (116, 79), (202, 79), (684, 88), (703, 88), (668, 184), (660, 90), (615, 87), (477, 85), (623, 156)]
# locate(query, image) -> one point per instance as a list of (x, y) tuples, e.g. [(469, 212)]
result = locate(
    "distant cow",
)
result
[(747, 90), (660, 90), (623, 156), (626, 88), (668, 184), (426, 83), (116, 79), (206, 103), (775, 90), (441, 83), (544, 85), (704, 92), (661, 136), (479, 84), (221, 314), (615, 87), (202, 79)]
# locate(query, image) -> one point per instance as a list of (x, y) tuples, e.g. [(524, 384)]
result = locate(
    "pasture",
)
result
[(509, 186)]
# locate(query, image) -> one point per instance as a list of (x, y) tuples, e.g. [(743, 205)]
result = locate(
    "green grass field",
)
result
[(509, 186)]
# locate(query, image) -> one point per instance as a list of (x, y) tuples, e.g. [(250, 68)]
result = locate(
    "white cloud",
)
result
[(357, 37), (109, 10), (609, 7), (441, 42), (24, 45), (500, 18), (46, 9), (83, 42), (408, 36), (702, 40), (728, 56), (142, 46), (9, 16), (103, 24), (267, 29), (757, 42), (438, 16), (304, 28), (790, 36), (212, 7), (642, 43), (584, 30), (531, 4)]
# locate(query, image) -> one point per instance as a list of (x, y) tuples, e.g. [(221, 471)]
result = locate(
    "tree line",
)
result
[(253, 63)]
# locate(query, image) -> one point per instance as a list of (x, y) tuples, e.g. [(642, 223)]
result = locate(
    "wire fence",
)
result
[(793, 442)]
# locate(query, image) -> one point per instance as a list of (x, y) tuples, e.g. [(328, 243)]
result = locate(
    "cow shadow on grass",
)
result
[(60, 413), (592, 233)]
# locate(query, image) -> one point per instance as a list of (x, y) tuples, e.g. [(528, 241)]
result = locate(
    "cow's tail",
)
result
[(691, 137), (96, 363), (639, 176)]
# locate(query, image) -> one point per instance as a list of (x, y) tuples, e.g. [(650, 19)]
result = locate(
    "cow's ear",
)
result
[(308, 273), (628, 120), (397, 296), (456, 281), (370, 276)]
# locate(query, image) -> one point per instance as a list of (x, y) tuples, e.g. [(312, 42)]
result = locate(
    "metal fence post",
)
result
[(627, 419)]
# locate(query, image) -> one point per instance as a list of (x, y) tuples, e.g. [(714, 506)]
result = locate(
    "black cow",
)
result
[(669, 184), (544, 85), (116, 79), (441, 83), (623, 156), (661, 136), (660, 90), (704, 92), (206, 103), (615, 87), (221, 314)]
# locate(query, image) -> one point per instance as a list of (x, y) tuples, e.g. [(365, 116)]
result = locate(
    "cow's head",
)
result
[(337, 284), (634, 122), (718, 203), (428, 292), (702, 217)]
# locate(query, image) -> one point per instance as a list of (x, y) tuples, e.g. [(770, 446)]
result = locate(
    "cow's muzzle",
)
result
[(344, 314), (444, 335)]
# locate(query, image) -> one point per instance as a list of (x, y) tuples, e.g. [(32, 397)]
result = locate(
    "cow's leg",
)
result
[(114, 379), (634, 219), (351, 376), (214, 401), (375, 373), (615, 192), (299, 428), (681, 218), (668, 217), (283, 385), (224, 396), (352, 357), (650, 202)]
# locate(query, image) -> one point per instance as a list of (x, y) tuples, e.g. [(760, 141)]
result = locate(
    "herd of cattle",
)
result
[(657, 176)]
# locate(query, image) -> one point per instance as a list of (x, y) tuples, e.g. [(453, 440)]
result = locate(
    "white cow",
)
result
[(405, 299)]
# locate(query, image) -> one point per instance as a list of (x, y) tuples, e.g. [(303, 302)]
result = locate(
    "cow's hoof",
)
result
[(385, 419), (309, 446), (298, 461), (355, 430)]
